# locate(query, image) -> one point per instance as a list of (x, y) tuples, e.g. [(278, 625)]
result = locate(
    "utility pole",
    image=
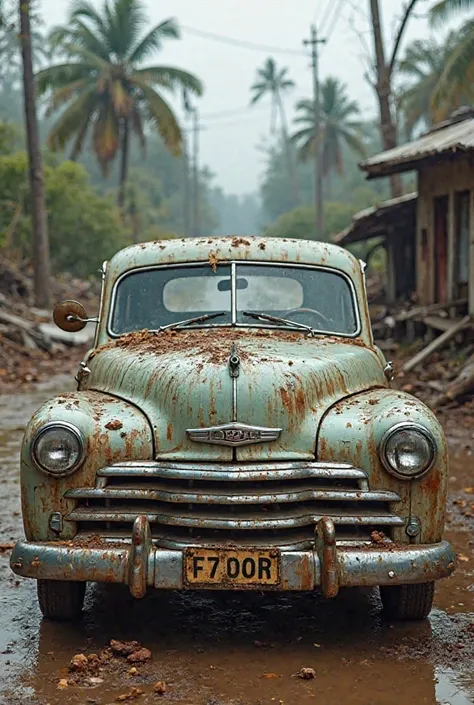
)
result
[(196, 228), (186, 187), (313, 42), (186, 170)]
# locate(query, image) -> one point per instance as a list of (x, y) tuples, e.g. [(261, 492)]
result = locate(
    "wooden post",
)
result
[(471, 256), (451, 275), (391, 270)]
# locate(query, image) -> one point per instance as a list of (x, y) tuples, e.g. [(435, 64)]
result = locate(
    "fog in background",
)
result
[(232, 132)]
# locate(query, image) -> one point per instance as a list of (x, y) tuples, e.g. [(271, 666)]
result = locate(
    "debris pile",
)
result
[(445, 381), (31, 346), (111, 665)]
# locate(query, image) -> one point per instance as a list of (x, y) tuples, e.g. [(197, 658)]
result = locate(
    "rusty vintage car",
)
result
[(233, 428)]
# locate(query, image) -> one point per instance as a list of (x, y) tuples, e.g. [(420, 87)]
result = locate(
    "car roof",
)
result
[(222, 249)]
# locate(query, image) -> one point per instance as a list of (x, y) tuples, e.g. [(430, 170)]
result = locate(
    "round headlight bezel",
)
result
[(407, 426), (72, 429)]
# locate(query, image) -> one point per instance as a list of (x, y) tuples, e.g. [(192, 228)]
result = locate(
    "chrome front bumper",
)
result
[(141, 564)]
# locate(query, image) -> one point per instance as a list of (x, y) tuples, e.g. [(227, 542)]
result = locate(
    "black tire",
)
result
[(61, 599), (405, 602)]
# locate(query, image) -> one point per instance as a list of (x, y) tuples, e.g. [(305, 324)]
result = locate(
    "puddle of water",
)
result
[(229, 649)]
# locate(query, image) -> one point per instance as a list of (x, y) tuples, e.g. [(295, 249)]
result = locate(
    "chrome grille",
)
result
[(260, 504)]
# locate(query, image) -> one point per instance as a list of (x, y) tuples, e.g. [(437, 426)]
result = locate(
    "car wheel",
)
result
[(406, 602), (61, 599)]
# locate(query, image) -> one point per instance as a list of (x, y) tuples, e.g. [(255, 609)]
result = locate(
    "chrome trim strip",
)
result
[(236, 472), (205, 521), (103, 272), (184, 496), (295, 265), (233, 293)]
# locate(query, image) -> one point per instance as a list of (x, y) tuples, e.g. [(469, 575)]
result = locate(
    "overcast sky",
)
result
[(230, 139)]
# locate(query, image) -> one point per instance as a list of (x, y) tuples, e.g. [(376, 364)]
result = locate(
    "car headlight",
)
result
[(407, 450), (58, 448)]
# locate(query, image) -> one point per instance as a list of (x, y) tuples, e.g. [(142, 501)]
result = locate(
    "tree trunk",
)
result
[(383, 88), (124, 163), (41, 260), (290, 161)]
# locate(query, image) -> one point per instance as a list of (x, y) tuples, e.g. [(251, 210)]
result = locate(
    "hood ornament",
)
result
[(233, 434)]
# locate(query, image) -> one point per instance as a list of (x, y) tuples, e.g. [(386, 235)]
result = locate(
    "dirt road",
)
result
[(238, 649)]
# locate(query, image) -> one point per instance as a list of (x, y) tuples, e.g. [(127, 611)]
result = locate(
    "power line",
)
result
[(326, 15), (335, 17), (241, 43)]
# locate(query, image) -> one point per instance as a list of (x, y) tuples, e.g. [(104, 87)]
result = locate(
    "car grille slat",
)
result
[(231, 497), (259, 504)]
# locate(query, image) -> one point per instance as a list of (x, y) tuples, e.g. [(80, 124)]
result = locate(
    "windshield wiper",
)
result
[(277, 319), (199, 319)]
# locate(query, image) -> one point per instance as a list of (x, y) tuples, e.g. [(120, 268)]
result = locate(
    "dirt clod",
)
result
[(79, 662), (377, 537), (306, 674), (114, 425), (139, 656), (124, 648), (159, 688), (132, 695)]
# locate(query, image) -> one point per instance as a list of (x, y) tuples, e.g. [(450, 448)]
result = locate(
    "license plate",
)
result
[(229, 567)]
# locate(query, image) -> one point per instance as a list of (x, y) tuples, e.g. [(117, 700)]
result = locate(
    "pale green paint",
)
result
[(225, 249), (89, 412), (352, 431)]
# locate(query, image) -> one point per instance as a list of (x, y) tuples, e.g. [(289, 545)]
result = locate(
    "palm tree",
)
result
[(103, 90), (424, 63), (41, 259), (274, 82), (338, 126), (456, 80)]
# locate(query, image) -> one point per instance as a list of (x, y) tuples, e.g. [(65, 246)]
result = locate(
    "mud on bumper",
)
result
[(141, 564)]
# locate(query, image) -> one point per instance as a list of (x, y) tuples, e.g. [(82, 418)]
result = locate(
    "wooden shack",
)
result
[(443, 159), (391, 225)]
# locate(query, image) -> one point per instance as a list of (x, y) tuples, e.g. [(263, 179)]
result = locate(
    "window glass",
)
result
[(316, 297)]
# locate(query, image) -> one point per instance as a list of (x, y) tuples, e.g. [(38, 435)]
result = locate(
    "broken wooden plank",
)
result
[(421, 311), (439, 323), (436, 344), (16, 321), (460, 385)]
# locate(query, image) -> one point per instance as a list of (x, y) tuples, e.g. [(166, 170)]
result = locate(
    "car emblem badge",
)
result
[(233, 434)]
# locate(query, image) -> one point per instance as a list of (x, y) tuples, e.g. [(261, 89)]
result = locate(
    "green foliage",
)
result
[(11, 138), (300, 222), (423, 67), (84, 228), (100, 89), (349, 187), (338, 125)]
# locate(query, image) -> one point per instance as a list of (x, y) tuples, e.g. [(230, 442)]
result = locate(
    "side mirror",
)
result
[(71, 316)]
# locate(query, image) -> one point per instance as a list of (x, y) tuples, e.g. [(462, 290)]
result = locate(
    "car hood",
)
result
[(182, 380)]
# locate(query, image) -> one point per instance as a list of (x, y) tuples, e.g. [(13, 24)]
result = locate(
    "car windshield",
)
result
[(313, 297)]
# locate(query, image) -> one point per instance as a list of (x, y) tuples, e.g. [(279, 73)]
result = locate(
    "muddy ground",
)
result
[(238, 649)]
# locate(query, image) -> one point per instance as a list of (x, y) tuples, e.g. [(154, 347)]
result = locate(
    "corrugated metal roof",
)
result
[(373, 222), (442, 140)]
